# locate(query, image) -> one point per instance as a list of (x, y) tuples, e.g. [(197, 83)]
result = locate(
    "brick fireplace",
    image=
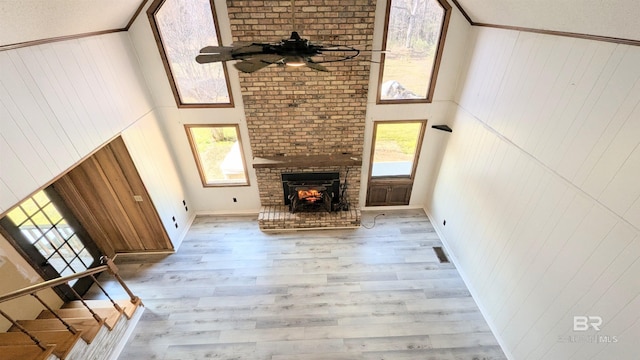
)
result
[(275, 213), (301, 120)]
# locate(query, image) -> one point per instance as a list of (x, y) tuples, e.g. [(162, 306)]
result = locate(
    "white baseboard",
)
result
[(228, 213), (390, 208)]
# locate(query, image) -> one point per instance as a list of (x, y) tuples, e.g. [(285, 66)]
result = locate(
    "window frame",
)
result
[(196, 154), (436, 61), (416, 157), (151, 13)]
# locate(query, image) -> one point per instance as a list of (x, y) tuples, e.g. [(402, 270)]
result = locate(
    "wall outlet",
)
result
[(444, 222)]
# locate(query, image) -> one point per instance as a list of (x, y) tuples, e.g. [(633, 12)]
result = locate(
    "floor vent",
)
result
[(440, 253)]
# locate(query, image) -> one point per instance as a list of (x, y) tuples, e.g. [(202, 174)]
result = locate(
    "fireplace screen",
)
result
[(308, 192)]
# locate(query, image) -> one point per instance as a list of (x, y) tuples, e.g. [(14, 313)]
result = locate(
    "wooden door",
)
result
[(389, 193), (106, 194)]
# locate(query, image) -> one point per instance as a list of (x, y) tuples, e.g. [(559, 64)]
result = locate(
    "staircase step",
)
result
[(25, 352), (110, 315), (89, 326), (62, 339), (128, 306)]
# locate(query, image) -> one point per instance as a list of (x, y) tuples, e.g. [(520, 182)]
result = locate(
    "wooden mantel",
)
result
[(306, 161)]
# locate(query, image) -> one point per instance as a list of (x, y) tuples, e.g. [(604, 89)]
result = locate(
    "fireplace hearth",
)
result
[(311, 192)]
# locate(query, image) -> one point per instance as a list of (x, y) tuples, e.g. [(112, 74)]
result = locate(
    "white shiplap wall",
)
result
[(61, 101), (540, 187)]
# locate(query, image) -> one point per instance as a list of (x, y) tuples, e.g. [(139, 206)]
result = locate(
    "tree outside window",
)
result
[(414, 39), (184, 27)]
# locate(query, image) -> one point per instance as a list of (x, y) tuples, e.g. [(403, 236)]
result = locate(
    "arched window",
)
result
[(182, 28)]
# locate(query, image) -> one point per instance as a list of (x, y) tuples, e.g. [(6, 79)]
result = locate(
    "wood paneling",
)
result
[(102, 191), (539, 189)]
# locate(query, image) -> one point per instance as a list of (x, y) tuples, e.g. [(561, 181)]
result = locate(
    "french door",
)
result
[(48, 235)]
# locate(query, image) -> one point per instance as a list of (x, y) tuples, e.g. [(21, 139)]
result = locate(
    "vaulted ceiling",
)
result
[(610, 18), (32, 20)]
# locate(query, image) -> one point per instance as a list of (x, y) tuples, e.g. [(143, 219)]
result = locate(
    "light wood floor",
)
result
[(234, 292)]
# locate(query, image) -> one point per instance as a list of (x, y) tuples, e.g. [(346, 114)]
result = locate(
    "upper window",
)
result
[(182, 28), (218, 153), (413, 43)]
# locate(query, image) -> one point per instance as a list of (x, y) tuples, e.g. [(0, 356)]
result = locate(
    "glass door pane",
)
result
[(395, 148), (53, 240)]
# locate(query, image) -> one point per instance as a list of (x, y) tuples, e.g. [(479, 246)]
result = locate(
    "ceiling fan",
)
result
[(294, 51)]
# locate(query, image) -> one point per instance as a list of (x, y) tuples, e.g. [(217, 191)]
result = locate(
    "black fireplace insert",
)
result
[(311, 191)]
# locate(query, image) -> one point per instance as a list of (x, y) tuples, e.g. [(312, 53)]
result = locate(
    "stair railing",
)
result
[(107, 266)]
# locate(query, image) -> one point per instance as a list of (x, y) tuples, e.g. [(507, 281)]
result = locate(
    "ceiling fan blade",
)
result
[(315, 66), (209, 58), (216, 49), (248, 49), (211, 54), (268, 58), (252, 65)]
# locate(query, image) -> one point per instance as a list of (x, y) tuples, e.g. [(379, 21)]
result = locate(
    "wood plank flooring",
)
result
[(234, 292)]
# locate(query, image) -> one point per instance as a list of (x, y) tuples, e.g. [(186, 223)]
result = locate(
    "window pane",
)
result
[(78, 266), (395, 148), (41, 198), (30, 207), (17, 216), (45, 248), (31, 231), (413, 35), (52, 214), (66, 252), (186, 26), (65, 230), (86, 258), (54, 238), (75, 243), (219, 153)]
